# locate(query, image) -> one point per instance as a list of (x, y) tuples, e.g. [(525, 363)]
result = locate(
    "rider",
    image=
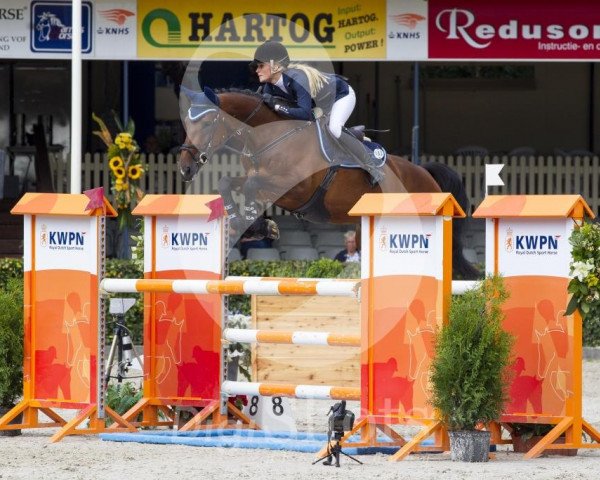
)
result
[(302, 86)]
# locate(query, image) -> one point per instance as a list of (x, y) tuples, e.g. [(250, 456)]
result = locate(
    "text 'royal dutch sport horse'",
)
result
[(285, 166)]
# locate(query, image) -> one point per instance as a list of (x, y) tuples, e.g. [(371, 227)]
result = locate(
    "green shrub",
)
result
[(121, 397), (10, 268), (469, 374), (585, 280), (11, 342)]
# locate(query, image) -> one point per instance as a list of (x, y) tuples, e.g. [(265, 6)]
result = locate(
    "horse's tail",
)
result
[(451, 182)]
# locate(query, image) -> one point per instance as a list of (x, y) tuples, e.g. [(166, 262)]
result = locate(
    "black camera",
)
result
[(340, 419), (340, 422)]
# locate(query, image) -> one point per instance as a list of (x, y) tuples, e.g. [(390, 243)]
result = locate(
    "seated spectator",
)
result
[(248, 243), (350, 253)]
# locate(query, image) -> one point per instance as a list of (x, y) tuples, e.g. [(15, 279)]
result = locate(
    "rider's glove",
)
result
[(269, 100), (281, 108)]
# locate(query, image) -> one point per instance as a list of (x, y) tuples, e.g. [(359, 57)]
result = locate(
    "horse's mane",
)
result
[(242, 91)]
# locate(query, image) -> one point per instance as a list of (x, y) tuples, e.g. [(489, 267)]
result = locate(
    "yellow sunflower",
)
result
[(115, 162), (124, 140), (135, 172), (119, 172)]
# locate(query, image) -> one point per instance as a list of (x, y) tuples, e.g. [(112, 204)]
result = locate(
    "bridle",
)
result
[(200, 158)]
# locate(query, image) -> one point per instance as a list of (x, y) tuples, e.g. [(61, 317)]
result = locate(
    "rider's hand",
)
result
[(269, 100)]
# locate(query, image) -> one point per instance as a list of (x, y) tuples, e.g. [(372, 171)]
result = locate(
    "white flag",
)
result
[(492, 175)]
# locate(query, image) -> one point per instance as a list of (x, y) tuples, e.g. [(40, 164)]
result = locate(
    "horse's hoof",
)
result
[(272, 230)]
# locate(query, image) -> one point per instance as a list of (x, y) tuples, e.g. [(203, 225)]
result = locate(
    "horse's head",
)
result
[(202, 123), (213, 121)]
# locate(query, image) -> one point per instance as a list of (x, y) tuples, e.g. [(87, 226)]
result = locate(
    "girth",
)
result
[(314, 209)]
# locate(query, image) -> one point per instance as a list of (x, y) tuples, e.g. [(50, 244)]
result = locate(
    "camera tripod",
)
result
[(121, 343), (333, 452)]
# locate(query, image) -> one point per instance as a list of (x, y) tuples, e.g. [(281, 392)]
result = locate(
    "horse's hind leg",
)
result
[(257, 226)]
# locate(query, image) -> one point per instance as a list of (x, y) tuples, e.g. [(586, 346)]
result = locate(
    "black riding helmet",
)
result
[(270, 51)]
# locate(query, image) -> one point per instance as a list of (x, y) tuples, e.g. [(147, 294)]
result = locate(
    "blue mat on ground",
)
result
[(231, 438)]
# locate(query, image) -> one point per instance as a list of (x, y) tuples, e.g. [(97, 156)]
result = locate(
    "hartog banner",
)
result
[(312, 30)]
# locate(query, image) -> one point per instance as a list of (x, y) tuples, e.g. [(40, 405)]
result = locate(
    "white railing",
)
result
[(532, 175)]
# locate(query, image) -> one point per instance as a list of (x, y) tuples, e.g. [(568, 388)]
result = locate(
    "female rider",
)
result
[(304, 86)]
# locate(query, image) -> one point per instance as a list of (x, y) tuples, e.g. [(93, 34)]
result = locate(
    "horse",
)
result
[(284, 165)]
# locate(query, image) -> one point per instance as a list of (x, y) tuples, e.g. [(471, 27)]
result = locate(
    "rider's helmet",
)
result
[(270, 51)]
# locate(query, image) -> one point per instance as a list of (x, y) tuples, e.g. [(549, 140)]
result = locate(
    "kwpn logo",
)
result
[(189, 239), (509, 241), (409, 241), (183, 240), (52, 28), (537, 242), (44, 236), (406, 242)]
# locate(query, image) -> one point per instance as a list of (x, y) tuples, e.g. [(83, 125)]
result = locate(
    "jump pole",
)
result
[(527, 242), (64, 325)]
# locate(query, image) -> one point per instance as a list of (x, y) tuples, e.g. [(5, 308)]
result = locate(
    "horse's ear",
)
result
[(193, 96), (211, 95)]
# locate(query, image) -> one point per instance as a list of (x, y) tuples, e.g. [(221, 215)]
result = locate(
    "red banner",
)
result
[(514, 29)]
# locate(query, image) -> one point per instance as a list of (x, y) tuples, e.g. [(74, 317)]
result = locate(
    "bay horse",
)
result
[(284, 166)]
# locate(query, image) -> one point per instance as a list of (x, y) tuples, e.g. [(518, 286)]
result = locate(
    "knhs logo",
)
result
[(66, 238), (116, 15), (244, 28), (536, 242), (180, 239), (408, 240)]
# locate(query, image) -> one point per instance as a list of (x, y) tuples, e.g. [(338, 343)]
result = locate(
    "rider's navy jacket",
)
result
[(298, 93)]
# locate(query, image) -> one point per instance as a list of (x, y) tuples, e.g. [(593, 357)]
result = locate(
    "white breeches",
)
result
[(340, 112)]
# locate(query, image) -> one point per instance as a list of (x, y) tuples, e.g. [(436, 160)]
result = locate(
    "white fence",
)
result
[(531, 175)]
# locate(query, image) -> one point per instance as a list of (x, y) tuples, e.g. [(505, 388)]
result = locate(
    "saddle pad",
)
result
[(328, 148)]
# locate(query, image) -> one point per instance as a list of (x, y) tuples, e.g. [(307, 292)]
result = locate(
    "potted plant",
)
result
[(11, 348), (469, 374)]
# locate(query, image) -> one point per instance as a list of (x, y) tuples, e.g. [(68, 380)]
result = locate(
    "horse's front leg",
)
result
[(226, 186), (258, 225)]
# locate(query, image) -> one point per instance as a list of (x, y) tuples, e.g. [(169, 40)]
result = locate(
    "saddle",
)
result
[(336, 155)]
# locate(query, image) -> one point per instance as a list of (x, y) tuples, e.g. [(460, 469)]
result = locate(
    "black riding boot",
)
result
[(356, 148)]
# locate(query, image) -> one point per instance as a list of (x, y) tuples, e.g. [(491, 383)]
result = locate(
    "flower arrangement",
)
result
[(585, 279), (125, 167)]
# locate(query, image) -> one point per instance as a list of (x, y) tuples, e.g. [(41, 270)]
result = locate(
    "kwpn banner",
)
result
[(514, 29)]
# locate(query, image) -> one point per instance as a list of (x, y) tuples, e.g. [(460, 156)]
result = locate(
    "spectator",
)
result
[(248, 243), (350, 253), (245, 244)]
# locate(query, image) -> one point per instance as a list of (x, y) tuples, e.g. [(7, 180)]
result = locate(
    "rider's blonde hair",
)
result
[(316, 79)]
